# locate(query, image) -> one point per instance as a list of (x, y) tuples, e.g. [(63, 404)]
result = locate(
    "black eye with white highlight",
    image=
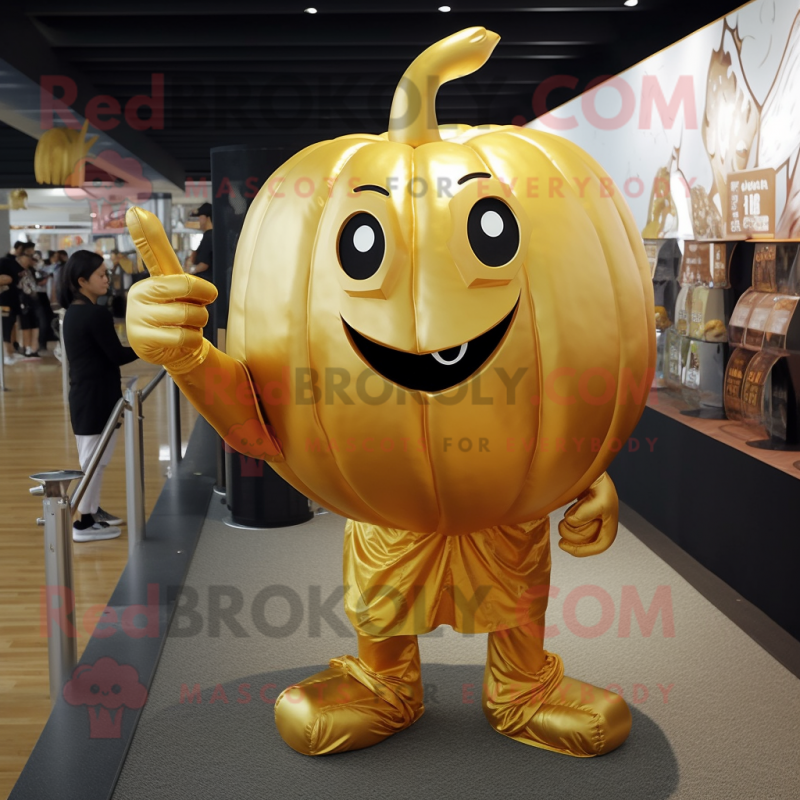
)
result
[(362, 246), (493, 232)]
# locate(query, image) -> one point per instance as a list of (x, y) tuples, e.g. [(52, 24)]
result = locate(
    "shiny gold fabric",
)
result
[(535, 425), (359, 702), (581, 345), (165, 315), (527, 697), (356, 702), (399, 582), (447, 491)]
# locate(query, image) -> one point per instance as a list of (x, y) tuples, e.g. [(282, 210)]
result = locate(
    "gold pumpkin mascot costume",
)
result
[(465, 310)]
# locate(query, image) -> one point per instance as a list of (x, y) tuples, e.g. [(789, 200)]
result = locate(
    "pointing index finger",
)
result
[(151, 242)]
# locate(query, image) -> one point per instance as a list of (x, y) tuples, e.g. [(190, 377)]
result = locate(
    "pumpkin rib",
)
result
[(586, 479), (641, 262), (625, 215), (426, 431), (620, 418), (641, 258), (534, 337), (574, 490), (413, 250), (341, 163), (354, 499), (243, 259), (540, 383), (525, 509), (423, 407)]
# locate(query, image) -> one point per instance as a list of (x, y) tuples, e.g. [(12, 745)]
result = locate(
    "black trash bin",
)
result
[(258, 497)]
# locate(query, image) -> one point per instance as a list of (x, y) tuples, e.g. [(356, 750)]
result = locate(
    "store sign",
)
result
[(751, 204)]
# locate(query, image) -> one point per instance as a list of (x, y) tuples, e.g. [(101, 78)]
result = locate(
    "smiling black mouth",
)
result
[(431, 372)]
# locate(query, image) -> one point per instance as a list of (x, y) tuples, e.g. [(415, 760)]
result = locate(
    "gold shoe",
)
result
[(350, 706), (579, 719), (557, 713)]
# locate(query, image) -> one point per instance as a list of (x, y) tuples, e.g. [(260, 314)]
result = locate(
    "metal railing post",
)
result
[(174, 425), (57, 519), (134, 466), (62, 636)]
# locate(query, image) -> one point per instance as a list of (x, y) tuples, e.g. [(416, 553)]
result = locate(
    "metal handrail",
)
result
[(105, 436), (153, 383), (59, 507), (97, 453)]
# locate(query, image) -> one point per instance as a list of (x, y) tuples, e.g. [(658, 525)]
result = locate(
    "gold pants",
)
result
[(400, 584)]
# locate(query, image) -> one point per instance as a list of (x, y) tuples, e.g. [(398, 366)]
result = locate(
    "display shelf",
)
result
[(731, 507), (733, 434)]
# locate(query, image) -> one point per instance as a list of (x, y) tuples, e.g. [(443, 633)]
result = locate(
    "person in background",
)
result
[(116, 278), (58, 263), (200, 261), (95, 355), (44, 311), (29, 304), (16, 305), (10, 271)]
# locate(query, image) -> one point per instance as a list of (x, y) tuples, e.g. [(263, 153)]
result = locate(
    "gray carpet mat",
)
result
[(714, 715)]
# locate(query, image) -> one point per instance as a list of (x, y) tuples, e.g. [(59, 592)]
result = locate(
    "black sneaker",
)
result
[(103, 516), (94, 533)]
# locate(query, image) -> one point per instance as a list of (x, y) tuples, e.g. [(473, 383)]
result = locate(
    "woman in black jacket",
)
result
[(95, 355)]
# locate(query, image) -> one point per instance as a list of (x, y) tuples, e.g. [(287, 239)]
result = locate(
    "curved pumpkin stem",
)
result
[(413, 116)]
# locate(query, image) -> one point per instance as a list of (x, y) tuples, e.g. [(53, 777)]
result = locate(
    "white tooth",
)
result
[(455, 360)]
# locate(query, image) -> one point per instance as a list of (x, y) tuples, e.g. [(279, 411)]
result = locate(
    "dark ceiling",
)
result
[(253, 72)]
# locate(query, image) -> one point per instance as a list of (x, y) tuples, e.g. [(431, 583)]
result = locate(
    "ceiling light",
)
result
[(631, 3), (314, 10), (444, 9)]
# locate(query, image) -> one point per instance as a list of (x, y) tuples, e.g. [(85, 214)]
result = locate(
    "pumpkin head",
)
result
[(463, 316)]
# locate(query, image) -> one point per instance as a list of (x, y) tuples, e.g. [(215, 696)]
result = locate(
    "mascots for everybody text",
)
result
[(469, 308)]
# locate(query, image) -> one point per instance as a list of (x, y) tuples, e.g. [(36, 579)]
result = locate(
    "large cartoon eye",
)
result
[(493, 232), (116, 688), (362, 246), (94, 689)]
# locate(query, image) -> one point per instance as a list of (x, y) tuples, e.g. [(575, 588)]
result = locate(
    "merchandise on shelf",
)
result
[(707, 264), (734, 380), (762, 381), (703, 374), (664, 256)]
